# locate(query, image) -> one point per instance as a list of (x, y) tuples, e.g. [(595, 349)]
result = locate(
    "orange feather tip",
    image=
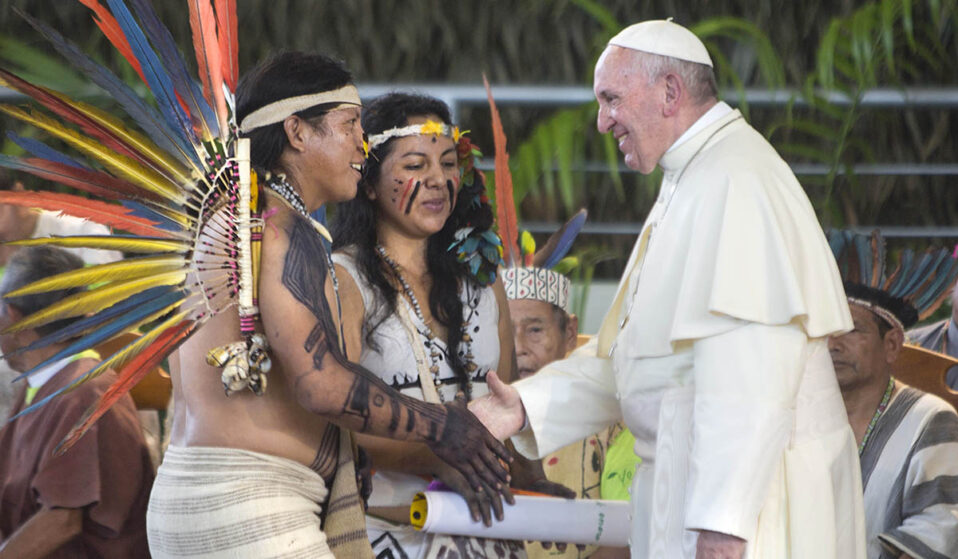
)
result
[(505, 201)]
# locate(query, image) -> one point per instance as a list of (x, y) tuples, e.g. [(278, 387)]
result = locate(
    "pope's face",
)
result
[(631, 109), (862, 355), (540, 338)]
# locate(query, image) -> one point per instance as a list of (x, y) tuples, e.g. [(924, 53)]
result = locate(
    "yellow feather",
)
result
[(95, 300), (528, 243), (120, 164), (121, 357), (170, 166), (142, 245), (123, 270)]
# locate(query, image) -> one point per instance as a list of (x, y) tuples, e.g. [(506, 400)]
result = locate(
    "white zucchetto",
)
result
[(665, 38)]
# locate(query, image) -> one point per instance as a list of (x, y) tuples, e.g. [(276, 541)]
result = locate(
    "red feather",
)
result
[(110, 215), (208, 57), (505, 204), (127, 377), (108, 24), (60, 105), (228, 33), (97, 183)]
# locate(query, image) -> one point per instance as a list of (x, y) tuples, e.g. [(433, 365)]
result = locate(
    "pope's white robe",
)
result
[(714, 353)]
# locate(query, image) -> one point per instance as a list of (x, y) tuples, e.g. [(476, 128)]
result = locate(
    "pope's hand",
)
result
[(501, 409)]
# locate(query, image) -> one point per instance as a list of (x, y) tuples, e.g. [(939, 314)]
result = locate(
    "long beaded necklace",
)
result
[(878, 412), (278, 184), (435, 351)]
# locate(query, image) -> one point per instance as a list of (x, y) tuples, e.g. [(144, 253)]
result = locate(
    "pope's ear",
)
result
[(674, 94)]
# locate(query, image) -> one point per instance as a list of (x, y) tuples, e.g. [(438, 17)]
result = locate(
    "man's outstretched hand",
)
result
[(501, 409), (468, 447)]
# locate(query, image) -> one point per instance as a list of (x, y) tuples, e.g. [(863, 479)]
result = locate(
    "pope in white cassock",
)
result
[(714, 349)]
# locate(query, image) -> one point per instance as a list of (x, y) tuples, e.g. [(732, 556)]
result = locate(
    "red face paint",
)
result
[(405, 192)]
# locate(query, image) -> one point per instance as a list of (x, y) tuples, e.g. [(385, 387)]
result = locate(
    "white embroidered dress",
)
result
[(394, 361)]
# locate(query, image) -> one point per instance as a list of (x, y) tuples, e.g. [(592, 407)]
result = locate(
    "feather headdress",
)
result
[(187, 199), (528, 273), (917, 286)]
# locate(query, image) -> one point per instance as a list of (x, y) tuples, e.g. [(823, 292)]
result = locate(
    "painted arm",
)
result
[(304, 338)]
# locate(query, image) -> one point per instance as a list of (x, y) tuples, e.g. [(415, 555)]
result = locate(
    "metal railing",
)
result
[(458, 96)]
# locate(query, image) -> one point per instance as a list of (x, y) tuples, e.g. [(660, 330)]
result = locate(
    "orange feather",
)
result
[(208, 57), (505, 204), (110, 215), (127, 378), (228, 33), (111, 29)]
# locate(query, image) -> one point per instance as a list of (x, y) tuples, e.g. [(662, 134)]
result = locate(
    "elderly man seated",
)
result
[(91, 500), (907, 439), (545, 331)]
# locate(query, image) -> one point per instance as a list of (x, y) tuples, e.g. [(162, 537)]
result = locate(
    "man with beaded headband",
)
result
[(906, 438), (302, 116)]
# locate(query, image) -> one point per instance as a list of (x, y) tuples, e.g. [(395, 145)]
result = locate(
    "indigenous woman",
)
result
[(418, 261)]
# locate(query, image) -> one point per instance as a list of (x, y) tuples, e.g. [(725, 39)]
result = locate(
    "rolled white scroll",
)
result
[(549, 519)]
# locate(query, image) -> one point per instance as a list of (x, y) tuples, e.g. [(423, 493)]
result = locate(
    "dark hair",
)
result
[(283, 75), (903, 310), (355, 226), (561, 317), (31, 264)]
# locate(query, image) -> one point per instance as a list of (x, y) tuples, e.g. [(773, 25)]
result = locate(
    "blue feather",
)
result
[(43, 151), (139, 210), (144, 115), (42, 402), (153, 71), (165, 46), (927, 263), (864, 251), (138, 306), (904, 265), (567, 236), (941, 282)]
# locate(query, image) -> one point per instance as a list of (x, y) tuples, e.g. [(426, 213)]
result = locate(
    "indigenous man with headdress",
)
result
[(907, 439), (714, 350), (224, 253)]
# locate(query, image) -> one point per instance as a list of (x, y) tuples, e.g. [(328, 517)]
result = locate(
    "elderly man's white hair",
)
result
[(662, 47)]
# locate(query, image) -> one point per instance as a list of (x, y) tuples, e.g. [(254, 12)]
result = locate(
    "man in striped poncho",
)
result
[(908, 439)]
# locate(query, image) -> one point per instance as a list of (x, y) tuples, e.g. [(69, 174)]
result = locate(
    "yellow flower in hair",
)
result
[(365, 148), (456, 134), (431, 127)]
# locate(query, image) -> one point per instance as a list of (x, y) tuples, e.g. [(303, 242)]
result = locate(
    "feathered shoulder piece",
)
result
[(177, 189), (917, 286), (529, 274)]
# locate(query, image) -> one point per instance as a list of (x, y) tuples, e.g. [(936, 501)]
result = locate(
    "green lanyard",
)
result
[(32, 390)]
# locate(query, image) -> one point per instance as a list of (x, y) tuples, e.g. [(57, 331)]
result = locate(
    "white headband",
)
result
[(279, 111), (430, 127), (884, 313)]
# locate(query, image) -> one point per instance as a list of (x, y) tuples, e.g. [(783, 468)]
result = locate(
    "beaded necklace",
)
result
[(881, 409), (435, 351)]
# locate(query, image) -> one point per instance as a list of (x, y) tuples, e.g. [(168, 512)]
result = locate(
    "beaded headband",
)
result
[(430, 127), (278, 111), (885, 314)]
